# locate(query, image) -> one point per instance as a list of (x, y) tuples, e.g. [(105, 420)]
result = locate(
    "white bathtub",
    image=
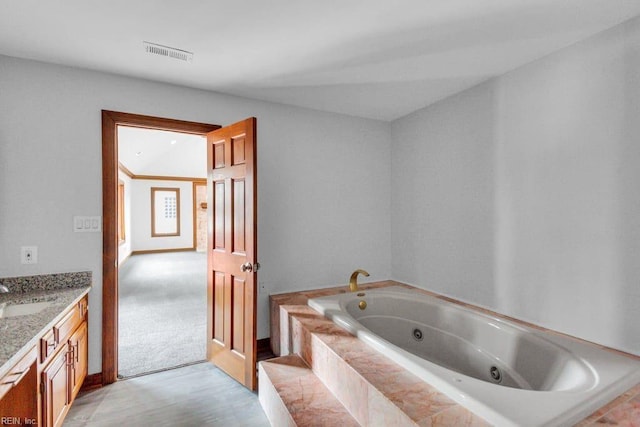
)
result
[(510, 375)]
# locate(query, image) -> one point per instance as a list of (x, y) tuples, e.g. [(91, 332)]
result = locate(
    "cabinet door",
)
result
[(55, 400), (78, 352)]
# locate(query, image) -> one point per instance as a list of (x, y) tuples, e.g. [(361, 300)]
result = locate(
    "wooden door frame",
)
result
[(110, 121), (194, 185)]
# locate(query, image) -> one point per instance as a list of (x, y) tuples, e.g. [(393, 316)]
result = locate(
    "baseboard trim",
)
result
[(263, 349), (263, 344), (121, 263), (91, 382), (159, 251)]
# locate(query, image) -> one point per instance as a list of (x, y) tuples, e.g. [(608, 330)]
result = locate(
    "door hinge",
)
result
[(41, 388)]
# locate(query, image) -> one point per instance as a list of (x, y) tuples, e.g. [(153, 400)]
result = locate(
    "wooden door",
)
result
[(232, 250)]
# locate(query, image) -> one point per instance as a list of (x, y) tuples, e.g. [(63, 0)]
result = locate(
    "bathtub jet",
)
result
[(511, 375)]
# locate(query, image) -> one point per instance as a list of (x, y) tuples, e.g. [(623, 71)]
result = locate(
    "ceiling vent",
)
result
[(171, 52)]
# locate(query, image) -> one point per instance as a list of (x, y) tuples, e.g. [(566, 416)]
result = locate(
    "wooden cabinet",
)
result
[(63, 355), (18, 396), (78, 365), (40, 388), (55, 379)]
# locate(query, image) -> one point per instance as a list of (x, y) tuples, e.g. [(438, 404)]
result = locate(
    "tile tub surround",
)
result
[(18, 334), (375, 390), (305, 400), (301, 298), (291, 309)]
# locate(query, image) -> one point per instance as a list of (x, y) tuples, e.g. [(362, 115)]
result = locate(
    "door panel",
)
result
[(238, 315), (218, 154), (56, 399), (231, 343), (238, 154), (239, 224), (218, 310), (78, 342), (219, 215)]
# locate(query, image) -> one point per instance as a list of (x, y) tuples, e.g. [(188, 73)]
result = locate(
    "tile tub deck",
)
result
[(289, 310)]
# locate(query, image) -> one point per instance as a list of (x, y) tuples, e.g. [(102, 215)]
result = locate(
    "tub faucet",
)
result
[(353, 281), (4, 289)]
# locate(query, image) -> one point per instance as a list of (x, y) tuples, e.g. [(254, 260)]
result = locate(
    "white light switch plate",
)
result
[(87, 224)]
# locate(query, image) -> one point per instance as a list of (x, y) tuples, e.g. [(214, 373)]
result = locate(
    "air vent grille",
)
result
[(170, 52)]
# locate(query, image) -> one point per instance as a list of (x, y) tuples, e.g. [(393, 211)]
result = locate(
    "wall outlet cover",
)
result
[(29, 254)]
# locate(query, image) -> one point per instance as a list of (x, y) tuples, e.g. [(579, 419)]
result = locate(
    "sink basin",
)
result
[(23, 309)]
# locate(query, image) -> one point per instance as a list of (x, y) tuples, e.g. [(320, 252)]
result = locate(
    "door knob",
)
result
[(247, 266)]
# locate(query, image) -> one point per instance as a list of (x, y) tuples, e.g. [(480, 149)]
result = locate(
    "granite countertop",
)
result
[(18, 334)]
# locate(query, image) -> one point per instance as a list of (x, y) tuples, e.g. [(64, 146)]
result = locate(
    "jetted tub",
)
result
[(508, 374)]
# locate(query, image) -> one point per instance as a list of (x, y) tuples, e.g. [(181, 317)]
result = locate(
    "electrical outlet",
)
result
[(29, 254)]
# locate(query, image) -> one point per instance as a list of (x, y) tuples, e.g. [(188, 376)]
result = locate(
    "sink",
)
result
[(14, 310)]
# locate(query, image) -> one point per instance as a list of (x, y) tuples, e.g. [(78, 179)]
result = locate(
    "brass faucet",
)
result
[(353, 281)]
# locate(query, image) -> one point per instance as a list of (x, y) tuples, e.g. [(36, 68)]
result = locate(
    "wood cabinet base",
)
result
[(40, 388), (63, 375)]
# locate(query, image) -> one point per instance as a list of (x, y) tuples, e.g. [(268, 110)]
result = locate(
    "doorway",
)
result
[(111, 240), (162, 280)]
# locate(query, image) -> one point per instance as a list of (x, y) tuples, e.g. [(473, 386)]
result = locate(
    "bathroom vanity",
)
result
[(43, 352)]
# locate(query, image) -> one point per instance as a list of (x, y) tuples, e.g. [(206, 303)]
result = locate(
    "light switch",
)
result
[(87, 224)]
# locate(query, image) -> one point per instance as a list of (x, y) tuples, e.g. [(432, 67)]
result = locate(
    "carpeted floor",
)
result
[(162, 311)]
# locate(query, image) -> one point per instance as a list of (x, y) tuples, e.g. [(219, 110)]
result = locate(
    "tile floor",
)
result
[(196, 395)]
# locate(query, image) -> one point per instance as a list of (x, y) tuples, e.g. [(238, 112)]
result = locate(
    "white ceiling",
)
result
[(380, 59), (154, 152)]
